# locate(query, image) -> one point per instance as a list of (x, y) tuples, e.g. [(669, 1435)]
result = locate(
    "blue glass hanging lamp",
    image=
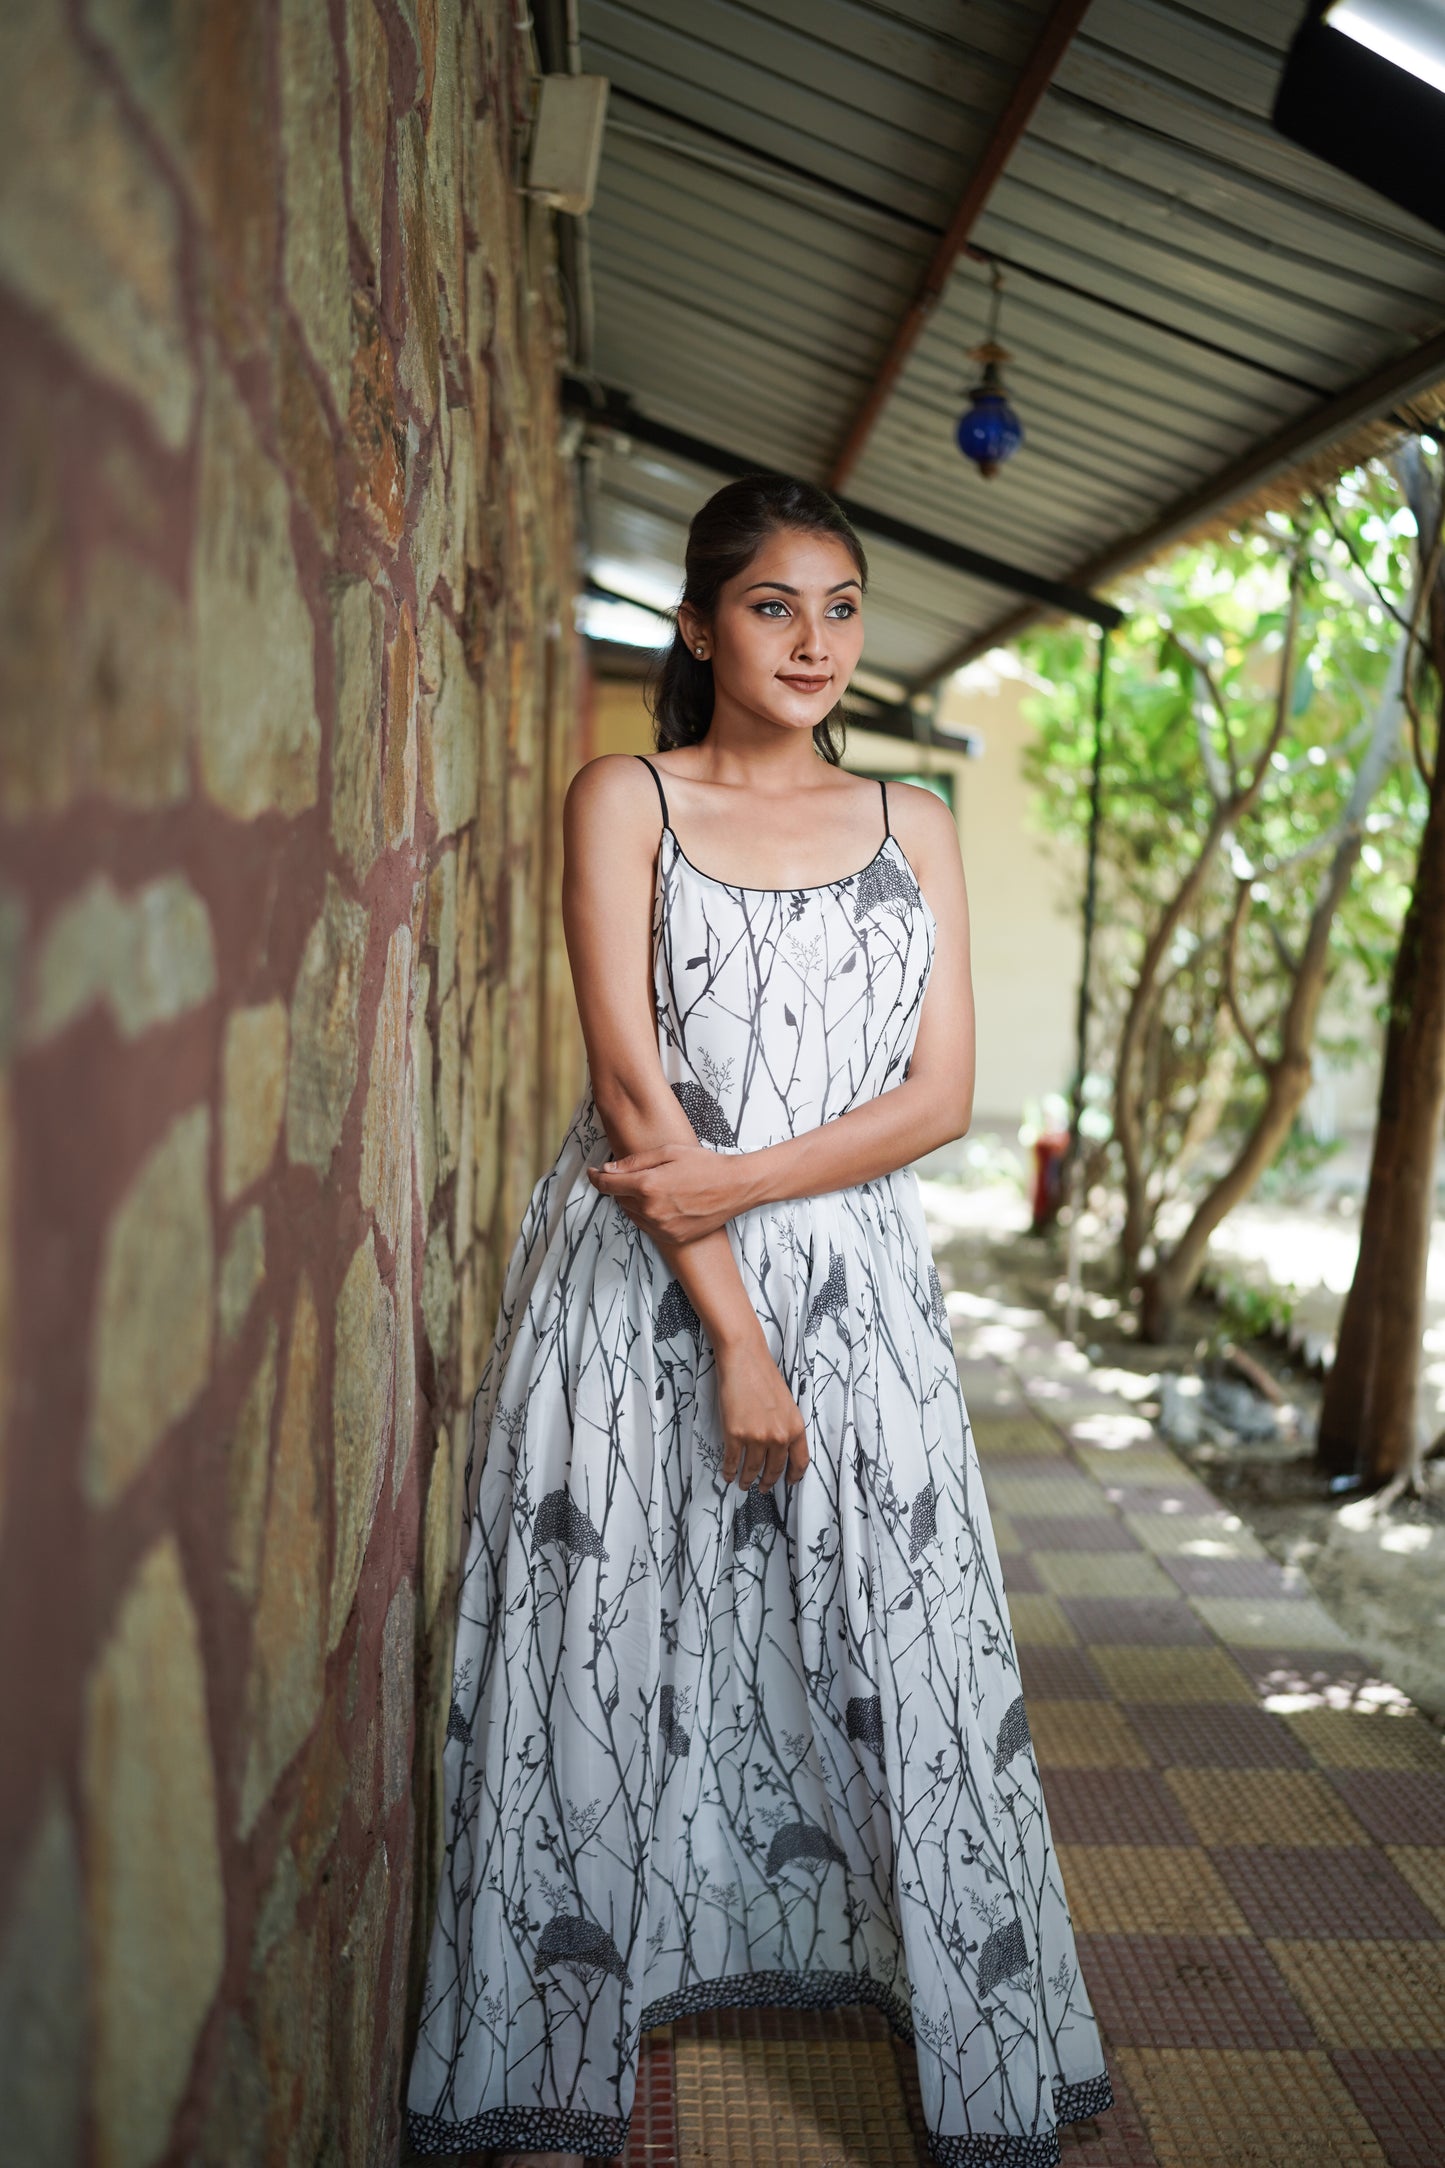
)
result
[(989, 431)]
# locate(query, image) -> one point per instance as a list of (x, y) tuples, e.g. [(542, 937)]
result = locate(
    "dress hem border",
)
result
[(570, 2130)]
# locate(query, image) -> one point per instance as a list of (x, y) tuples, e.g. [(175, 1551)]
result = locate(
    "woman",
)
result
[(737, 1715)]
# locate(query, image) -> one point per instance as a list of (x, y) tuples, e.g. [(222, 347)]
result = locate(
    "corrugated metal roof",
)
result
[(1181, 284)]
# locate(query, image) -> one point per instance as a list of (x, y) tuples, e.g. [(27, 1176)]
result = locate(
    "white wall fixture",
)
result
[(567, 141)]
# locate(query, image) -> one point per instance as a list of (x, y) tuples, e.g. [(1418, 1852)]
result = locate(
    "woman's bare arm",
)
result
[(933, 1105), (607, 891), (609, 840)]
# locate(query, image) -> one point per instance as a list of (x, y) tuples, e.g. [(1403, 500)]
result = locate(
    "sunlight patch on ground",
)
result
[(1306, 1248), (998, 1208), (1128, 1384), (1113, 1432), (1287, 1692), (985, 1310), (1406, 1538)]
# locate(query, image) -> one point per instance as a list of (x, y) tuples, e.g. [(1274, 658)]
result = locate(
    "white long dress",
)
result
[(710, 1747)]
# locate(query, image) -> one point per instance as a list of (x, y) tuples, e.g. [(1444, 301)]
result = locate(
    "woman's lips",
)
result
[(807, 684)]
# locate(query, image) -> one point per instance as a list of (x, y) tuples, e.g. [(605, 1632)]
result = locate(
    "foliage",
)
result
[(1292, 1177), (1193, 686), (1247, 1311)]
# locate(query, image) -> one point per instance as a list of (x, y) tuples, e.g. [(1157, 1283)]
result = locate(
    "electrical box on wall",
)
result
[(567, 140)]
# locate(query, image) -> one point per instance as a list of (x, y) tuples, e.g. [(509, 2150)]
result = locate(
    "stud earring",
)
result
[(699, 651)]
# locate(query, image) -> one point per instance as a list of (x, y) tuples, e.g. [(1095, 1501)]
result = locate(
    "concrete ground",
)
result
[(1248, 1808)]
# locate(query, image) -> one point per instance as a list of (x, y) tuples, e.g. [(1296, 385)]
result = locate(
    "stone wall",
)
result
[(287, 705)]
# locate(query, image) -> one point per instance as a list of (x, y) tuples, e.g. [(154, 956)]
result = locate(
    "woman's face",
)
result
[(787, 632)]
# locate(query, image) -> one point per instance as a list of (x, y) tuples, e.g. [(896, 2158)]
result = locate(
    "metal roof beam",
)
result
[(892, 720), (614, 411), (1371, 399), (1034, 79)]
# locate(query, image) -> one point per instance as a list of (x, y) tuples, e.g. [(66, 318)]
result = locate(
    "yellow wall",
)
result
[(620, 722), (1025, 937), (1024, 895)]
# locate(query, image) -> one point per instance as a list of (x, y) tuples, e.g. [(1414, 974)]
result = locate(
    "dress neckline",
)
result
[(793, 888), (813, 888)]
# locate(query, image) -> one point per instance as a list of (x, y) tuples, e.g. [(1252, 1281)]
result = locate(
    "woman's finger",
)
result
[(635, 1162)]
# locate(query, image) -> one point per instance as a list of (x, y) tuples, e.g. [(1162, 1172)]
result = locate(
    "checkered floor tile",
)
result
[(1356, 1739), (1083, 1735), (1423, 1866), (1355, 1890), (1114, 1806), (1102, 1573), (1191, 1991), (1265, 1806), (1249, 2108), (1130, 1889), (1400, 2092), (1216, 1735)]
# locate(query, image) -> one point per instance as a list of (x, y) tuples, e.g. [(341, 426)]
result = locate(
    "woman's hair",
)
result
[(724, 538)]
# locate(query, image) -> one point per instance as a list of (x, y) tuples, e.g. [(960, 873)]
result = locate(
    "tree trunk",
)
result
[(1130, 1093), (1232, 802), (1168, 1286), (1369, 1421), (1172, 1281)]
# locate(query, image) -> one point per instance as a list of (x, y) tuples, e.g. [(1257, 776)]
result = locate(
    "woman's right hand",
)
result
[(763, 1431)]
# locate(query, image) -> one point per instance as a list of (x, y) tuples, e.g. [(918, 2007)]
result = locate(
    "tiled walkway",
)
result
[(1251, 1827)]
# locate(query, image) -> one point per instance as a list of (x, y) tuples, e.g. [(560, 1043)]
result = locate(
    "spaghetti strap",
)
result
[(887, 831), (657, 779)]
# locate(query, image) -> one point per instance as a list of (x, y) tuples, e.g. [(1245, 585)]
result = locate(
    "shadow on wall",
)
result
[(285, 558)]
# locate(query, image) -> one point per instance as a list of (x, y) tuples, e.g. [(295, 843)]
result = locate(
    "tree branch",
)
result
[(1231, 983), (1285, 696), (1429, 572), (1360, 566), (1223, 781)]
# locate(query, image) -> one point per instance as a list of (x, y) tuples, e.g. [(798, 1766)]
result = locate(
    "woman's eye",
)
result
[(849, 609), (772, 604)]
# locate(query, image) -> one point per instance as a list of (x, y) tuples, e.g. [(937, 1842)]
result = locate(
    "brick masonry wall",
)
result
[(287, 703)]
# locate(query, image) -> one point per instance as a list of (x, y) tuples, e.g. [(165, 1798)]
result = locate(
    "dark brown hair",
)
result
[(724, 538)]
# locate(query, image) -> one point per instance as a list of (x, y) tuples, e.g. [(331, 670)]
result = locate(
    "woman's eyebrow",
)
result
[(784, 589)]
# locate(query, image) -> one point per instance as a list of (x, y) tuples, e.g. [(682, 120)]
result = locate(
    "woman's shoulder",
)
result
[(922, 812), (611, 782)]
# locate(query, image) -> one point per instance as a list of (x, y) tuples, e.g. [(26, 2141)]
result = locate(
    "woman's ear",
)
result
[(692, 628)]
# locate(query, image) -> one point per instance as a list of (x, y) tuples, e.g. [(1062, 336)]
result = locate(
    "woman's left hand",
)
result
[(678, 1192)]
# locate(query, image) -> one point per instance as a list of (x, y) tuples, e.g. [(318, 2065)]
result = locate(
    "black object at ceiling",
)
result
[(1364, 115)]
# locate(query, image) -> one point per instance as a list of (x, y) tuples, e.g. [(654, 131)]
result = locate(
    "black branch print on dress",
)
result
[(884, 882), (708, 1750), (755, 1519), (937, 1306), (865, 1720), (581, 1945), (1013, 1734), (803, 1841), (559, 1520), (675, 1314), (702, 1110), (1004, 1955), (922, 1522), (831, 1299), (672, 1732)]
